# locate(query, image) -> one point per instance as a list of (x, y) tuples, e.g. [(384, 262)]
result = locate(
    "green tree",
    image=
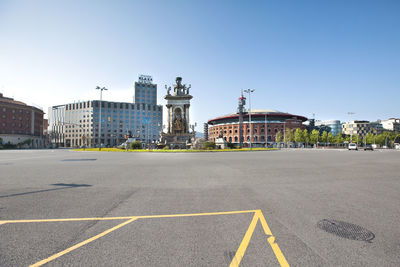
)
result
[(331, 138), (324, 137), (314, 136), (298, 136), (278, 137), (339, 139), (306, 136), (370, 138), (380, 139), (289, 136)]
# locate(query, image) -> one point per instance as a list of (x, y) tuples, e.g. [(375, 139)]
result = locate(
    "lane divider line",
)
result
[(61, 253)]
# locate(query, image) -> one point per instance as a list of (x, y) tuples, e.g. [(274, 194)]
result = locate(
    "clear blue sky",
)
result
[(302, 57)]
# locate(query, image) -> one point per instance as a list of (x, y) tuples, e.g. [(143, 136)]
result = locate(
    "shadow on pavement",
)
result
[(63, 186)]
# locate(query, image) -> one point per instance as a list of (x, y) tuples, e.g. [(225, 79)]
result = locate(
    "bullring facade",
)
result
[(265, 125)]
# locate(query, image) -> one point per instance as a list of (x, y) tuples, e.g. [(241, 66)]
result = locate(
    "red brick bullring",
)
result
[(272, 121)]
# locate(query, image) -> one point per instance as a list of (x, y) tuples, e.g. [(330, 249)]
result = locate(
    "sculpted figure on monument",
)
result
[(179, 88), (168, 89), (178, 124)]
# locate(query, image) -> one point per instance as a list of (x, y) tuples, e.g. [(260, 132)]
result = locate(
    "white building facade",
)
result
[(391, 124), (77, 124)]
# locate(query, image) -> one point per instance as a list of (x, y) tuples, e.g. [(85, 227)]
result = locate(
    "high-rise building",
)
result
[(205, 131), (77, 124), (145, 90)]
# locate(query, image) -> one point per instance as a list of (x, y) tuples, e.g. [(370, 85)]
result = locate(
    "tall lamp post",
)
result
[(352, 125), (249, 91), (101, 98)]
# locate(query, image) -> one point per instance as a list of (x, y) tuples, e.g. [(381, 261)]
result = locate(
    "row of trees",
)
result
[(314, 137)]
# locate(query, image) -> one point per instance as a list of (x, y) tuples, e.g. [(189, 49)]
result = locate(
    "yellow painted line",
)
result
[(271, 240), (278, 253), (129, 217), (235, 261), (67, 220), (264, 224), (59, 254), (196, 214), (245, 242)]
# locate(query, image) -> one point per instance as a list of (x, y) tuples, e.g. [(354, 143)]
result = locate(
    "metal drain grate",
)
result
[(78, 159), (346, 230)]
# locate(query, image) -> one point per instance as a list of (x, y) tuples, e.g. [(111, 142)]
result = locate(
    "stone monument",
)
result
[(220, 142), (178, 103)]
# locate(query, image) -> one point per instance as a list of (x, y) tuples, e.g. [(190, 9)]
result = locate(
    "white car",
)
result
[(353, 146)]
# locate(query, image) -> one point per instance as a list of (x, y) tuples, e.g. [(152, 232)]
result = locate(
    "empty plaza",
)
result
[(261, 208)]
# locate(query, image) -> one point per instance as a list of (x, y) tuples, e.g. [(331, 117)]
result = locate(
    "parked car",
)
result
[(353, 146), (368, 147)]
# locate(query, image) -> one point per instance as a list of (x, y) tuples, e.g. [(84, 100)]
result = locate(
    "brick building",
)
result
[(20, 122), (265, 124)]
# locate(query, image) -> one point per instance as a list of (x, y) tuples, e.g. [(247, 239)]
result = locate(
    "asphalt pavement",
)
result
[(261, 208)]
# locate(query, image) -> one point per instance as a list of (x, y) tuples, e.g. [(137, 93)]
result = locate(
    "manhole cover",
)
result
[(346, 230), (78, 159)]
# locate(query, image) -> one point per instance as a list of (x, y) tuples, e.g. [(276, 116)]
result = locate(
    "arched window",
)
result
[(230, 139), (236, 139)]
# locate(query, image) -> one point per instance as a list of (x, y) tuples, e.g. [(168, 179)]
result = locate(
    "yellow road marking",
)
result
[(59, 254), (67, 220), (264, 224), (129, 217), (196, 214), (271, 240), (278, 253), (235, 261), (245, 242)]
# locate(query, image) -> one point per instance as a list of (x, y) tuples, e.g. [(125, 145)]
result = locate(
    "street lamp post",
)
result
[(249, 91), (265, 131), (284, 134), (352, 125), (101, 95)]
